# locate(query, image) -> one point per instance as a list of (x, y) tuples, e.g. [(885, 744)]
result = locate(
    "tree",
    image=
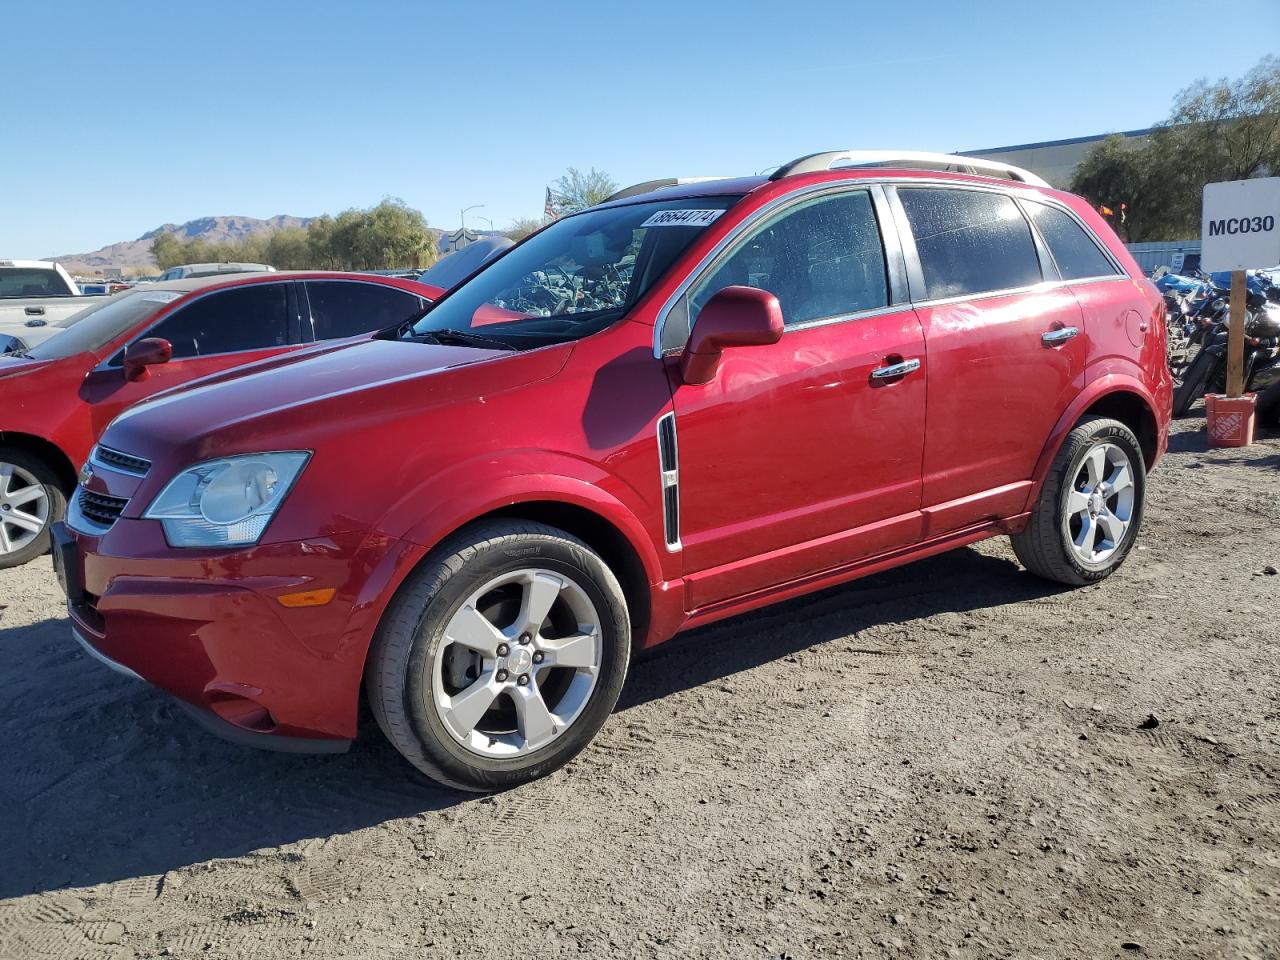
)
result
[(577, 190), (522, 227), (1227, 130), (168, 250)]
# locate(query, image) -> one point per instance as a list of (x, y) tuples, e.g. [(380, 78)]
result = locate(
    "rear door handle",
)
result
[(895, 370), (1061, 335)]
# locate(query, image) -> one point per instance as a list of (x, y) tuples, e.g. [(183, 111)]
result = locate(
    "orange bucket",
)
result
[(1230, 419)]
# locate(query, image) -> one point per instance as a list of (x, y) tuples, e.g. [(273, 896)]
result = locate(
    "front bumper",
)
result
[(209, 629)]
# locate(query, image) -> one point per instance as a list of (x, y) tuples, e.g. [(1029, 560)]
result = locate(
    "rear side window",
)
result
[(346, 308), (821, 259), (969, 242), (1073, 250), (227, 321)]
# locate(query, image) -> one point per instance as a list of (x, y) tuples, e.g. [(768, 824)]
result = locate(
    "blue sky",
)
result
[(121, 116)]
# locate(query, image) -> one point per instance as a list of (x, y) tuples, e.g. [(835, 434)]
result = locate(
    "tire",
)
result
[(21, 473), (1193, 382), (1050, 546), (418, 672)]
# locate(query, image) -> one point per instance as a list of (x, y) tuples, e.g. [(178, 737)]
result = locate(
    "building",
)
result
[(1054, 160)]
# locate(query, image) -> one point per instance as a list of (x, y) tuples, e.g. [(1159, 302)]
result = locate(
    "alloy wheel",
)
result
[(517, 663), (1100, 504), (24, 508)]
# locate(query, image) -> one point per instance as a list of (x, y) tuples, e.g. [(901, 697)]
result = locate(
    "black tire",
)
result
[(48, 479), (1044, 547), (1193, 382), (399, 671)]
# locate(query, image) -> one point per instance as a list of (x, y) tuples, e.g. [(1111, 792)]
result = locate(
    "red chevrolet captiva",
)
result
[(690, 401)]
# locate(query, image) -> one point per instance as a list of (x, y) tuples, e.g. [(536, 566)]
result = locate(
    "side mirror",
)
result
[(145, 353), (733, 317)]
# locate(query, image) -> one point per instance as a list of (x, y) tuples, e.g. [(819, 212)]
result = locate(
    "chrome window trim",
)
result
[(776, 204), (1042, 287), (1012, 189)]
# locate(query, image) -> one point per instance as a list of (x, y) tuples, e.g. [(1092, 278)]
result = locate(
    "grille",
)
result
[(122, 461), (101, 509)]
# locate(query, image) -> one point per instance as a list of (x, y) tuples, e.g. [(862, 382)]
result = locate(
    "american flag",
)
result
[(549, 207)]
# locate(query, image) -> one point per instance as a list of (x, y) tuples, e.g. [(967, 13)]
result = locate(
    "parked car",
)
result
[(649, 416), (188, 271), (56, 397), (34, 294)]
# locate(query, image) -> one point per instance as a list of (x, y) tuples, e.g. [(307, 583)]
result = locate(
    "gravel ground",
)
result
[(945, 760)]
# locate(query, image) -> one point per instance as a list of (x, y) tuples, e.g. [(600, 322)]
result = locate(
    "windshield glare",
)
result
[(96, 326), (575, 277)]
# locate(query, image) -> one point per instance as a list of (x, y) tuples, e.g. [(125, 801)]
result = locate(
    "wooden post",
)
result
[(1235, 335)]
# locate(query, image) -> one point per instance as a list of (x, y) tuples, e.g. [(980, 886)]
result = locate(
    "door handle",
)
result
[(34, 311), (1061, 335), (895, 370)]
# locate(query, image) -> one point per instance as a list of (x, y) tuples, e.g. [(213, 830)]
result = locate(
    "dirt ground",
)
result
[(941, 761)]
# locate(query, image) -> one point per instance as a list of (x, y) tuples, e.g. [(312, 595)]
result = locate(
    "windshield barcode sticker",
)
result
[(682, 218)]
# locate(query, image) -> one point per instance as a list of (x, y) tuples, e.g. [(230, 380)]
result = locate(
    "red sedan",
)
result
[(58, 397)]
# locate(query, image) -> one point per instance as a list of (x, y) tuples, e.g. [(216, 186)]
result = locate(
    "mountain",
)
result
[(137, 253)]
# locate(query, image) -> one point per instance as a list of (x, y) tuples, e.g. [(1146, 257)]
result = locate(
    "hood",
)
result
[(13, 366), (285, 404)]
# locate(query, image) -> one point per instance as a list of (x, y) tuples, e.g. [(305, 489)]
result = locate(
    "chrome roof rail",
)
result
[(636, 189), (916, 159)]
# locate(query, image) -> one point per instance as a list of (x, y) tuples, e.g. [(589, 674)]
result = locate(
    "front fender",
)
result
[(473, 488), (1107, 384)]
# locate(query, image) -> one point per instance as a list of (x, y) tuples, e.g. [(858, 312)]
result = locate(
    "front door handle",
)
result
[(895, 370), (34, 311), (1061, 335)]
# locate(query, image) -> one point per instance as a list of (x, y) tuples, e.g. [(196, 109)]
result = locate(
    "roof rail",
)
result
[(636, 189), (918, 159)]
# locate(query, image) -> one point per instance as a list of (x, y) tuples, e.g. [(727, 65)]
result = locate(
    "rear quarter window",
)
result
[(1074, 251), (969, 242)]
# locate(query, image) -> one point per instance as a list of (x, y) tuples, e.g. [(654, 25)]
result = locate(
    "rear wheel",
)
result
[(501, 657), (1194, 379), (1090, 507), (30, 500)]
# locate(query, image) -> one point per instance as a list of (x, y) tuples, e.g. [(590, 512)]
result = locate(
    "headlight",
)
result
[(226, 503)]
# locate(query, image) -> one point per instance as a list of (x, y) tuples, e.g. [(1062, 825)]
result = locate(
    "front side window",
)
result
[(575, 277), (1075, 253), (252, 317), (969, 242), (346, 308), (821, 258)]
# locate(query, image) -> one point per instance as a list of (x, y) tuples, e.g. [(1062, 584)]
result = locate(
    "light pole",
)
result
[(486, 220), (463, 215)]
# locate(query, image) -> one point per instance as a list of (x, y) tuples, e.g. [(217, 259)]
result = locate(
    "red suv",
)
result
[(59, 395), (665, 410)]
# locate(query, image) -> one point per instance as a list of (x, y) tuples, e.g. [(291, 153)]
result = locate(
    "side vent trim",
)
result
[(669, 462)]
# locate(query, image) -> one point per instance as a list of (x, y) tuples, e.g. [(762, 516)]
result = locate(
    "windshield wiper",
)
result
[(462, 338)]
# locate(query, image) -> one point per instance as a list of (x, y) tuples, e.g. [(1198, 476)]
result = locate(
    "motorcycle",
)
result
[(1207, 372)]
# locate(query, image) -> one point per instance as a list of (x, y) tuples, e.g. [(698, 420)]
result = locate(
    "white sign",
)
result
[(682, 218), (1240, 225)]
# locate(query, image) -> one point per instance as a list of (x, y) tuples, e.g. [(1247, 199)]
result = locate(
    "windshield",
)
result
[(577, 276), (96, 326)]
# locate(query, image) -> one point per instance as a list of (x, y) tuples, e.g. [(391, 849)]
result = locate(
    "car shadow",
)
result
[(953, 582), (107, 779)]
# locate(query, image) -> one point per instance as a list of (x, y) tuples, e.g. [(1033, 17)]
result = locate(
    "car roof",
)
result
[(232, 279)]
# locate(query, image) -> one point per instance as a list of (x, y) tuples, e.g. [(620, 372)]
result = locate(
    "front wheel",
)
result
[(30, 500), (1090, 508), (501, 657)]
